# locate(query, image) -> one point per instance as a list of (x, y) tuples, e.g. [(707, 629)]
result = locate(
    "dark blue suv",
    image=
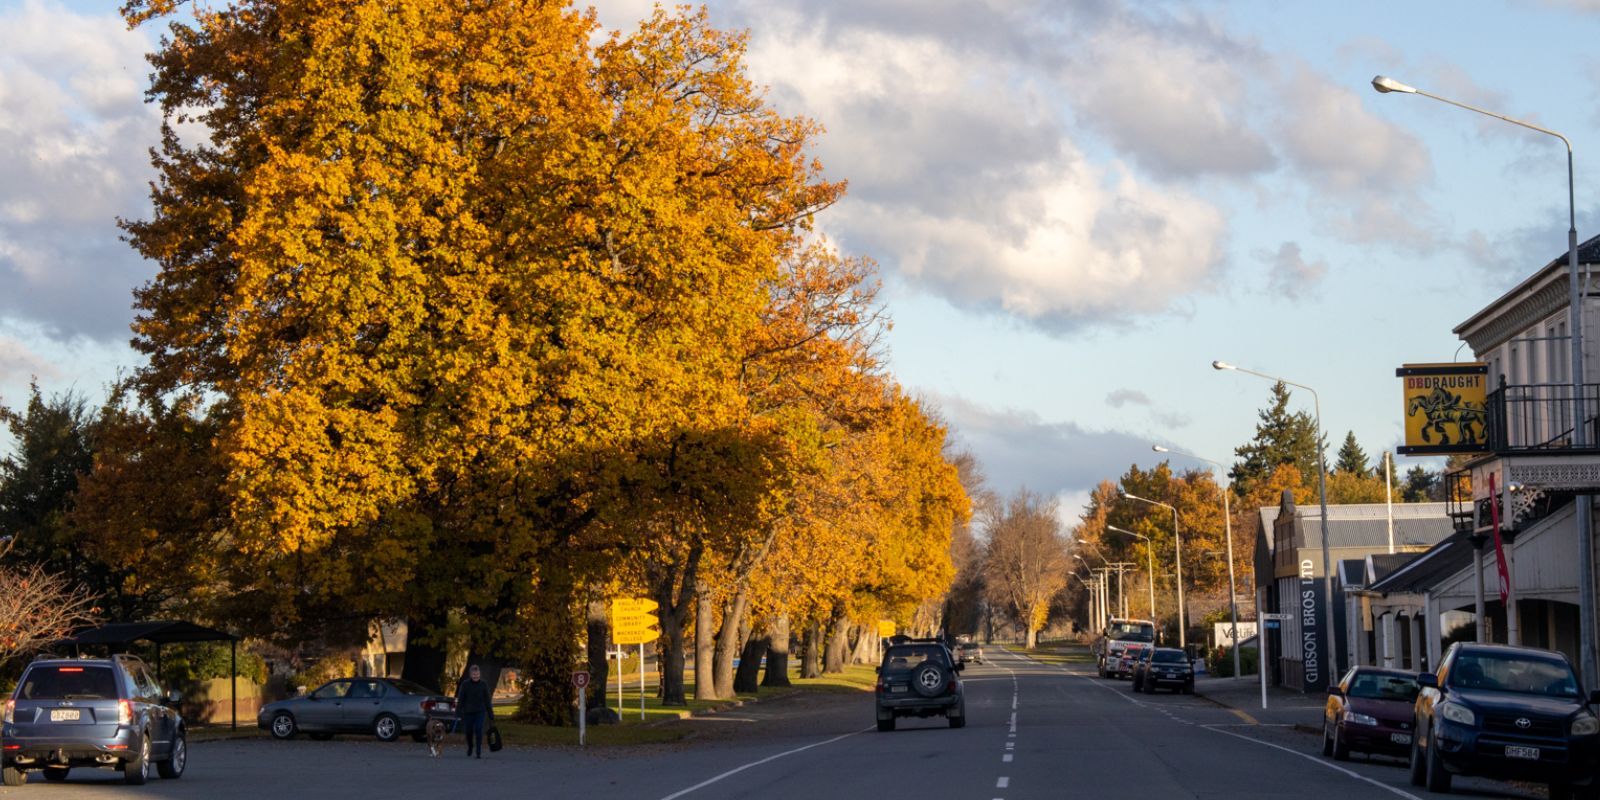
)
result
[(91, 712), (1511, 713)]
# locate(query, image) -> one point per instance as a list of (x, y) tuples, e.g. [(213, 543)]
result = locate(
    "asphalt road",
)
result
[(1034, 731)]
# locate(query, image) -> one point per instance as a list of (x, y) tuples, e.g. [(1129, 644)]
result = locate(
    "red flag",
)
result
[(1499, 546)]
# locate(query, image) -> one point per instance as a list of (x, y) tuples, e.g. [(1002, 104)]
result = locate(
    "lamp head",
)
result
[(1386, 84), (1159, 449), (1222, 365)]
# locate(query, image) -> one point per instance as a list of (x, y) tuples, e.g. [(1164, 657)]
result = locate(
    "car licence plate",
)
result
[(900, 689), (64, 714), (1529, 753), (1400, 738)]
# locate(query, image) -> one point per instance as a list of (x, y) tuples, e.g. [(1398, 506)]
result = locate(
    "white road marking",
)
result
[(1004, 782), (1315, 760), (736, 770), (1006, 758)]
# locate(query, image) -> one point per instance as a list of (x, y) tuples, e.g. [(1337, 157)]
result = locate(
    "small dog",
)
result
[(436, 733)]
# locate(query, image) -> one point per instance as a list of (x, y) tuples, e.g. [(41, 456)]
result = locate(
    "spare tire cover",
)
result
[(929, 679)]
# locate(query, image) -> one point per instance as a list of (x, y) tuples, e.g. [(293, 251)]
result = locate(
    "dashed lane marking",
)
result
[(769, 759), (1004, 782)]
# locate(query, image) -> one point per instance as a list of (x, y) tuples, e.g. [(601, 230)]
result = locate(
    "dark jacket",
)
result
[(472, 697)]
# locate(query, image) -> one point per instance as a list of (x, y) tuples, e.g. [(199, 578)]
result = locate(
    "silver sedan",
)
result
[(383, 707)]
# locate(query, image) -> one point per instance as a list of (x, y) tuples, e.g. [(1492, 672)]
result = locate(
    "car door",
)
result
[(159, 717), (324, 707), (362, 704)]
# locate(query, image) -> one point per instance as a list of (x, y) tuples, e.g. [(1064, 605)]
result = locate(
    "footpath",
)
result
[(1285, 708)]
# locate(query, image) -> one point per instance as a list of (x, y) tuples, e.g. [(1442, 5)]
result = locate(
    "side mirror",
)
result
[(173, 697), (1428, 680), (1594, 698), (1334, 691)]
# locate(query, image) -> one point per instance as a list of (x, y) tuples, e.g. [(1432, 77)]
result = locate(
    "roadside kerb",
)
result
[(1287, 709)]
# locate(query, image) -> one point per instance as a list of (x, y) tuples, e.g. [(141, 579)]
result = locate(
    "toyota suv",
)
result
[(91, 712), (918, 679), (1510, 713)]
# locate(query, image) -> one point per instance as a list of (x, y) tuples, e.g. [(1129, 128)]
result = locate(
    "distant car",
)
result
[(1369, 711), (1118, 634), (969, 652), (91, 712), (1163, 666), (1121, 666), (918, 679), (1509, 713), (383, 707)]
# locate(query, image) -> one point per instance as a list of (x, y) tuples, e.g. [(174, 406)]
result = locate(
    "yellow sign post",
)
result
[(886, 628), (633, 623), (1446, 408)]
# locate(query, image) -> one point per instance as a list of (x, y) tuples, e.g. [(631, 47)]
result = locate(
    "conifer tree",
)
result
[(1352, 458), (1282, 437)]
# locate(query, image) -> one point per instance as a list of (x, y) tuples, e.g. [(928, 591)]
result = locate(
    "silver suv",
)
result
[(91, 712)]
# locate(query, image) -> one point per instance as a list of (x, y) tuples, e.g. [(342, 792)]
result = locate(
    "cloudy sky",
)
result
[(1077, 205)]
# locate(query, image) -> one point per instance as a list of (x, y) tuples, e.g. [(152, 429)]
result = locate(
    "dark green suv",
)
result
[(918, 679)]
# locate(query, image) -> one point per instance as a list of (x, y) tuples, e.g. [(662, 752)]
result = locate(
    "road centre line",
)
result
[(1002, 783), (736, 770)]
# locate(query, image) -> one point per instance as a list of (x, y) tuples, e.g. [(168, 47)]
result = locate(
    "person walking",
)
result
[(475, 703)]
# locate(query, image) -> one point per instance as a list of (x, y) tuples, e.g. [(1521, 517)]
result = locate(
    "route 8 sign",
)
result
[(580, 679)]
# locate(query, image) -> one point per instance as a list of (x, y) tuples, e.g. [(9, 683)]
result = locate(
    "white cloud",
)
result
[(1290, 274), (1118, 398), (73, 136), (18, 363)]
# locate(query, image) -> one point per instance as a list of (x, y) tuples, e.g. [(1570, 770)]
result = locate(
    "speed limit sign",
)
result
[(580, 679)]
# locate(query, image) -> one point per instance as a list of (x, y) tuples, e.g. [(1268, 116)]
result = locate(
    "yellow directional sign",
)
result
[(886, 628), (632, 621)]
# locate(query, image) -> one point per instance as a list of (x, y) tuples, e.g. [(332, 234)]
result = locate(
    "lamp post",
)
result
[(1150, 553), (1227, 524), (1322, 498), (1177, 543), (1586, 599)]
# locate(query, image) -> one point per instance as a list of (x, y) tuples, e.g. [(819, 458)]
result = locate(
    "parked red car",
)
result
[(1369, 711)]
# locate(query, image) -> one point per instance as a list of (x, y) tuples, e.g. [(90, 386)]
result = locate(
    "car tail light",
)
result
[(13, 747), (11, 711), (124, 712)]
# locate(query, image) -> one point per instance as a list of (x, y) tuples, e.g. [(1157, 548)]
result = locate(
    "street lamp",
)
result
[(1227, 523), (1150, 553), (1586, 597), (1322, 498), (1177, 543)]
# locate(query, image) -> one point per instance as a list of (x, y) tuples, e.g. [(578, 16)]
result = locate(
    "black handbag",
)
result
[(494, 739)]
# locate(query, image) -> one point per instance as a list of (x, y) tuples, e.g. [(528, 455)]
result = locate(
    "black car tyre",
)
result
[(56, 774), (1561, 791), (386, 727), (1188, 688), (283, 725), (1327, 738), (960, 720), (1567, 791), (1341, 749), (1418, 774), (929, 679), (11, 776), (172, 768), (1438, 780), (886, 725), (136, 770)]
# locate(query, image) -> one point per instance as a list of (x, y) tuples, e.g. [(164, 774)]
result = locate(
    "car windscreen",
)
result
[(68, 683), (1384, 687), (1168, 657), (1512, 672), (908, 657), (1131, 632), (407, 687)]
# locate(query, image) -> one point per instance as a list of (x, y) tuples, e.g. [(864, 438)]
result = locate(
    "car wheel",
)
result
[(283, 726), (136, 770), (172, 768), (11, 776), (1438, 780), (886, 725), (1341, 750), (56, 774), (386, 727), (1327, 739), (929, 679), (1417, 775), (1561, 791), (960, 720)]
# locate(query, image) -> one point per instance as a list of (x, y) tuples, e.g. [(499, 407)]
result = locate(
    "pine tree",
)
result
[(1352, 458), (1282, 437), (1421, 485)]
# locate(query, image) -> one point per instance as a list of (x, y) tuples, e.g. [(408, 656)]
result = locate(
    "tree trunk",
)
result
[(705, 644), (747, 679), (862, 652), (671, 655), (599, 632), (777, 673), (734, 629), (838, 642), (811, 652), (424, 664)]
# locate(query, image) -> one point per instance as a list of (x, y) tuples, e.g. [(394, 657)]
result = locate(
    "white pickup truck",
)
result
[(1120, 633)]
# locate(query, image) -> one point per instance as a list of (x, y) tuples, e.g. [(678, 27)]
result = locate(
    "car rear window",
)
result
[(68, 683), (1169, 657), (906, 657), (407, 687)]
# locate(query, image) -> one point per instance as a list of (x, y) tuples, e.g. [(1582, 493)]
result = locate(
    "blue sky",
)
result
[(1076, 206)]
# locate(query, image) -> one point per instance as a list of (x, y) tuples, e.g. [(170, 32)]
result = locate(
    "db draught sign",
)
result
[(1445, 408)]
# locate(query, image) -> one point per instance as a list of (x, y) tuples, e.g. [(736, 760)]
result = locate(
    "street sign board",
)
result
[(632, 621), (1272, 624), (1277, 617), (886, 628), (580, 679)]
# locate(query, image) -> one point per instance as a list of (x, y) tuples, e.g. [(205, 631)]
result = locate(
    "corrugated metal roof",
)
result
[(1424, 571)]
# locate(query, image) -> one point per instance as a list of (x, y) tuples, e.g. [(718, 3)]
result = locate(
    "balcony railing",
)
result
[(1538, 417)]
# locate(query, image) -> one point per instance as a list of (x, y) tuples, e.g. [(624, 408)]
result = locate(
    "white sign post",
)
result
[(581, 680), (1261, 646)]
